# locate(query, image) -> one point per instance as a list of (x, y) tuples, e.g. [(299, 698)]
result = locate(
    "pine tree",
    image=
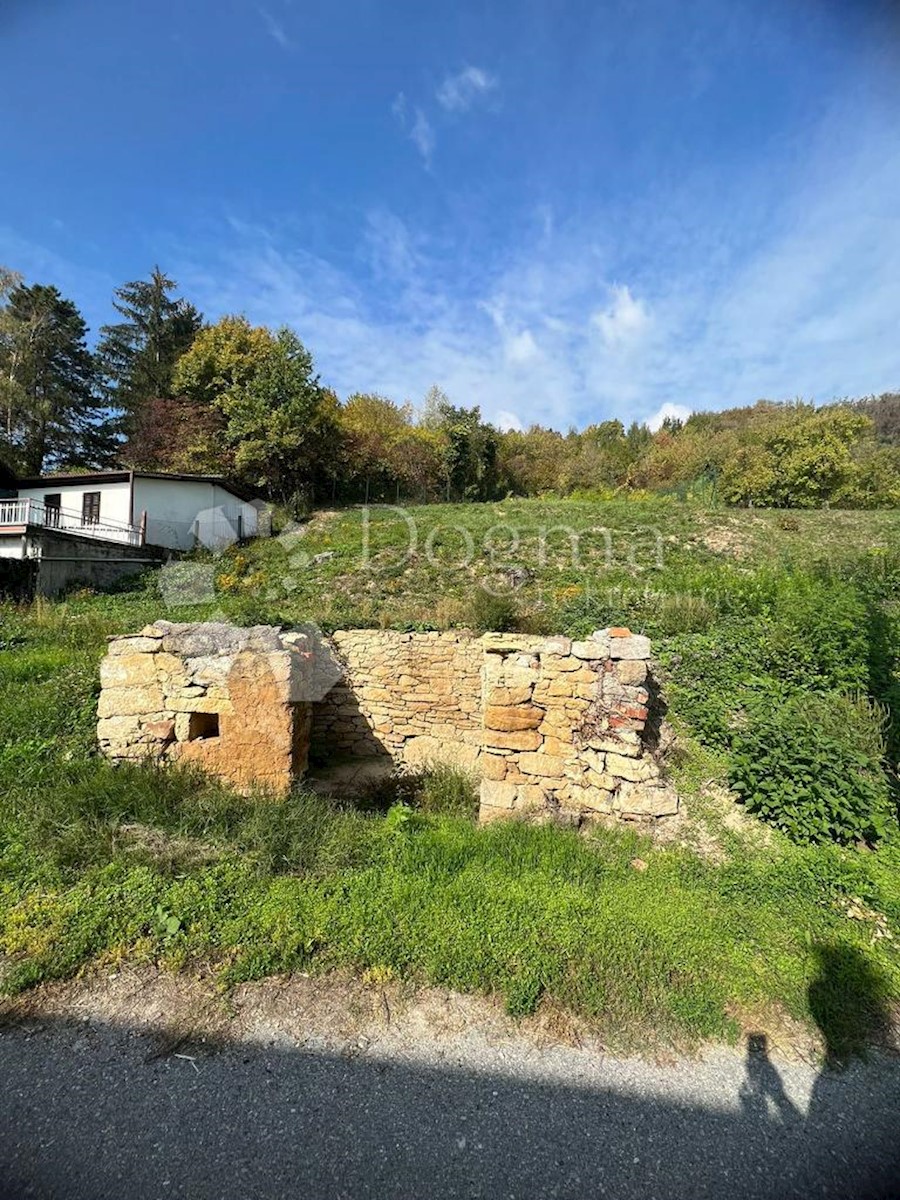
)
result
[(52, 414), (137, 356)]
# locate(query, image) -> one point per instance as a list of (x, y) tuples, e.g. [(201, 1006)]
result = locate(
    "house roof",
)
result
[(79, 477), (124, 476)]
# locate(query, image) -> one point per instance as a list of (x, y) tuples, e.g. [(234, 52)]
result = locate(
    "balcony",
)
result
[(22, 516)]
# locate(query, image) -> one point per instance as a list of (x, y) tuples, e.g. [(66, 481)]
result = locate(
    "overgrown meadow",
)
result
[(775, 635)]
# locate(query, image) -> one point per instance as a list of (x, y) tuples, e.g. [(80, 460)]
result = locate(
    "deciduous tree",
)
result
[(279, 425)]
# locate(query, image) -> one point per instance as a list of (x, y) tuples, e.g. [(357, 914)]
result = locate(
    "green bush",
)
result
[(816, 634), (487, 612), (813, 767), (876, 573), (448, 791)]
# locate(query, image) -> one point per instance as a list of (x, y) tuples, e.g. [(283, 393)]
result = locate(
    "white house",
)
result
[(177, 512), (118, 517)]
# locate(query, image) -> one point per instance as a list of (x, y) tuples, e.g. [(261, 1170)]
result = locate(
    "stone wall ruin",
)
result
[(554, 728), (223, 698)]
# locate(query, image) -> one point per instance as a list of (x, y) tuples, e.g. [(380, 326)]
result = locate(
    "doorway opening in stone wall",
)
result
[(348, 760)]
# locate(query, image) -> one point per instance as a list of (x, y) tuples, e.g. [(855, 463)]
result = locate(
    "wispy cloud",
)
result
[(458, 92), (275, 29), (69, 268), (417, 127), (393, 250), (422, 136)]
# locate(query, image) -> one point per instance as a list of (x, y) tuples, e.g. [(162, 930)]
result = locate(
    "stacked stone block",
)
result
[(564, 728), (415, 697), (230, 700)]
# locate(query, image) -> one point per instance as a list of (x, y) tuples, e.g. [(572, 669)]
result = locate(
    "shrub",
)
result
[(813, 767), (711, 676), (816, 634), (449, 791), (876, 573), (488, 612)]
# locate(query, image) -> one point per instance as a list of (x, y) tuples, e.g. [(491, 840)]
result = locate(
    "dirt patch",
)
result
[(187, 1015), (725, 539), (705, 821)]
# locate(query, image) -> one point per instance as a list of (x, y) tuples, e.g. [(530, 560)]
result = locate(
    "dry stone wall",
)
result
[(565, 728), (227, 699), (413, 696), (554, 728)]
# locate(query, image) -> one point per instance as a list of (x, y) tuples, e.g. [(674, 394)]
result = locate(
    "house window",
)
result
[(90, 508), (52, 503)]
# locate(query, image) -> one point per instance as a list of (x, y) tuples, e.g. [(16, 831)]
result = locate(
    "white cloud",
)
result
[(508, 420), (624, 320), (521, 348), (459, 92), (422, 136), (679, 411), (275, 29)]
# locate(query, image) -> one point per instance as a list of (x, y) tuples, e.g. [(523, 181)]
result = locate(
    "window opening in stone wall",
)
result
[(202, 725)]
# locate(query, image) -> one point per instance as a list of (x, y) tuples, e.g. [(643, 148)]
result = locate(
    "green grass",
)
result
[(99, 864)]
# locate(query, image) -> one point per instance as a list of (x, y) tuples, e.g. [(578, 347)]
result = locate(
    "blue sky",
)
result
[(560, 211)]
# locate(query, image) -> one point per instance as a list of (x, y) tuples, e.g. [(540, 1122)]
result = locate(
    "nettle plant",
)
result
[(813, 765)]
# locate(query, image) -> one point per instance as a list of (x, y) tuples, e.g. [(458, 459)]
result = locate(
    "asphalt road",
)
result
[(91, 1112)]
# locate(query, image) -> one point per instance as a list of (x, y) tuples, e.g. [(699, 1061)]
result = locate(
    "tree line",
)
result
[(165, 390)]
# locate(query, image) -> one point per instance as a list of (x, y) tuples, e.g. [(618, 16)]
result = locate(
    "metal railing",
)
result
[(49, 516)]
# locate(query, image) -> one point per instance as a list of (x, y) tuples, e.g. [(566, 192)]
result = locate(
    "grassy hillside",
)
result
[(417, 566), (772, 630)]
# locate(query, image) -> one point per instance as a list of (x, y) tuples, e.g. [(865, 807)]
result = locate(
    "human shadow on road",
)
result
[(762, 1090)]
